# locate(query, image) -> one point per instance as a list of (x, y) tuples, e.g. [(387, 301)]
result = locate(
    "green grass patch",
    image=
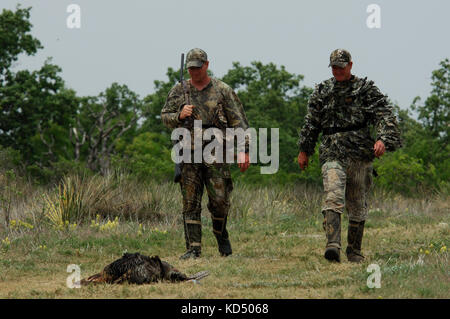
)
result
[(278, 244)]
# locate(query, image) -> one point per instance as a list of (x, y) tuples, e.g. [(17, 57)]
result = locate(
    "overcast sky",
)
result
[(133, 42)]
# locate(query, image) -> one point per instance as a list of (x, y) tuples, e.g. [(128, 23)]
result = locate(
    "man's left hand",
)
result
[(379, 148), (243, 161)]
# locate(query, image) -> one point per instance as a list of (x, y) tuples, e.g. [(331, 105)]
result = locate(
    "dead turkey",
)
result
[(139, 269)]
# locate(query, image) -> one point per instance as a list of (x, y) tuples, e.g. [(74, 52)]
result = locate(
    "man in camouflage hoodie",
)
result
[(217, 106), (343, 108)]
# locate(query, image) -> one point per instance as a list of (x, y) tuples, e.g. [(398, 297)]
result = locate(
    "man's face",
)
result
[(342, 74), (200, 73)]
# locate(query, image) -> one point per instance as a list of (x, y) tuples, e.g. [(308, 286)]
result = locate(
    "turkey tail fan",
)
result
[(199, 275)]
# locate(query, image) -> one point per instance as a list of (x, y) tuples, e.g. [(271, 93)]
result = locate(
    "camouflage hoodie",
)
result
[(358, 103)]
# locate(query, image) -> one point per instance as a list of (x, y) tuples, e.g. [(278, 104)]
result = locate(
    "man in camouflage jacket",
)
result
[(344, 108), (217, 106)]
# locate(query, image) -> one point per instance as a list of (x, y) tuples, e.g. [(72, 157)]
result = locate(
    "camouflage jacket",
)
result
[(217, 105), (354, 103)]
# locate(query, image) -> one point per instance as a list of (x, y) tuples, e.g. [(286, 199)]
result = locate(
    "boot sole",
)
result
[(193, 256)]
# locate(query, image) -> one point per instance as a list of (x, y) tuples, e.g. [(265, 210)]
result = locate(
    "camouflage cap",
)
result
[(340, 57), (195, 58)]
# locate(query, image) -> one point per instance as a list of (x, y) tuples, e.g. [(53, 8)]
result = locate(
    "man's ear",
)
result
[(351, 64)]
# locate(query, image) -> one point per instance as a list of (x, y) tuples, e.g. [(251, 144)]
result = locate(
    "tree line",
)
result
[(47, 130)]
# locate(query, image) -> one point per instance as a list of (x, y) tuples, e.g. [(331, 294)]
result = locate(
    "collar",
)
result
[(205, 88)]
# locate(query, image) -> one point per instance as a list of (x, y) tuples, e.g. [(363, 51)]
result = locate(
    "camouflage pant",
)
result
[(347, 187), (217, 179)]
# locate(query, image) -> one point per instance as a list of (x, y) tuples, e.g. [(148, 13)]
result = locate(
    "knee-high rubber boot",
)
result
[(221, 233), (354, 238), (332, 223), (193, 237)]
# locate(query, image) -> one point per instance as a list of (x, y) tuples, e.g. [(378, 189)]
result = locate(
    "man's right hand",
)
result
[(302, 160), (186, 111)]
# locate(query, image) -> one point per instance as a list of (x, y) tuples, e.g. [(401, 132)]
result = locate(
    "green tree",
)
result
[(15, 38), (423, 162), (435, 112), (32, 104), (145, 157), (272, 98), (101, 121), (432, 142)]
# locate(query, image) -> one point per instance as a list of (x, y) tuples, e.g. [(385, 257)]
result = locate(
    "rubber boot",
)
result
[(221, 233), (193, 237), (332, 223), (224, 244), (354, 238)]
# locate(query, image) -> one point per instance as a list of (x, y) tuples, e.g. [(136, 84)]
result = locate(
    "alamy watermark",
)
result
[(373, 21), (374, 279), (211, 145), (73, 280), (73, 21)]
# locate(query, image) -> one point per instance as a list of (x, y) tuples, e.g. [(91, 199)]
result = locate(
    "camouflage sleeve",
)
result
[(312, 127), (235, 114), (234, 110), (381, 115), (172, 108)]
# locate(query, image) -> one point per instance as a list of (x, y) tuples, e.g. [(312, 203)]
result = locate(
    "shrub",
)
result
[(400, 172)]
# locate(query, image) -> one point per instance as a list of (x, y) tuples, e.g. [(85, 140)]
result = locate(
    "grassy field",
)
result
[(276, 234)]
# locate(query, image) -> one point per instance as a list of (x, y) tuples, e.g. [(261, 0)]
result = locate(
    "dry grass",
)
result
[(277, 240)]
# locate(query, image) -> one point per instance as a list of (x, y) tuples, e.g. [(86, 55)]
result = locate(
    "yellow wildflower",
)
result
[(6, 241), (25, 224)]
